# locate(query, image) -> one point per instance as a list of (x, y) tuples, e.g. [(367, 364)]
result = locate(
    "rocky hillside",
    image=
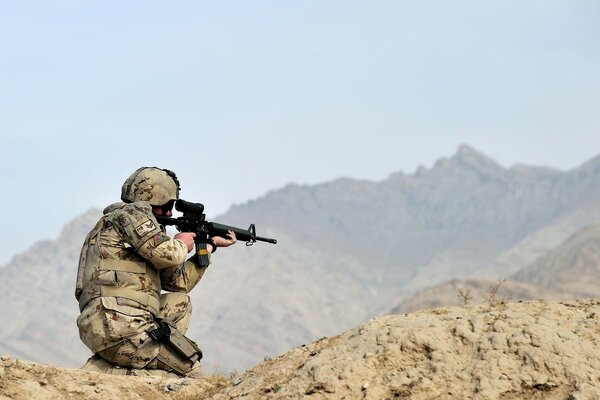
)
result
[(348, 250), (569, 271), (533, 350), (38, 310), (573, 267)]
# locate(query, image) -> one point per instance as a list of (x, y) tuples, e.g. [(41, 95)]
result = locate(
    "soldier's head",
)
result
[(157, 186)]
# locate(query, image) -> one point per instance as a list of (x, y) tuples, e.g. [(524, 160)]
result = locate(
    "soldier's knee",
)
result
[(131, 353), (175, 307)]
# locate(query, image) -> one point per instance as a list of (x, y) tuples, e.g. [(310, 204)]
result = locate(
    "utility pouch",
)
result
[(186, 347), (176, 352)]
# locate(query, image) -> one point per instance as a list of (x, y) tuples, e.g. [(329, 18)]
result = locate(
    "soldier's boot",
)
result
[(97, 364)]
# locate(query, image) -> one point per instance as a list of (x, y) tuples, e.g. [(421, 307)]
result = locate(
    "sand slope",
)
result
[(534, 350)]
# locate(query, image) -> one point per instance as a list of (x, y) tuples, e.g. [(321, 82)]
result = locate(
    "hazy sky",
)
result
[(242, 97)]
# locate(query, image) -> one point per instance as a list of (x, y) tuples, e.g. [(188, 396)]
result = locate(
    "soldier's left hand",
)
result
[(225, 242)]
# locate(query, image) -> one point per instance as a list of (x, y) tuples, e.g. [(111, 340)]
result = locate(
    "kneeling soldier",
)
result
[(126, 261)]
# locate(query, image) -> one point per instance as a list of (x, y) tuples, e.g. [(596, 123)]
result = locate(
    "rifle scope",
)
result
[(189, 207)]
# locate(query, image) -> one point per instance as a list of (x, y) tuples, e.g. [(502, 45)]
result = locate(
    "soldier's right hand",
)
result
[(187, 238)]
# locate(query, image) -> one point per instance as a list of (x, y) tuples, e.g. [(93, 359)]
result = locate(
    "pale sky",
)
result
[(243, 97)]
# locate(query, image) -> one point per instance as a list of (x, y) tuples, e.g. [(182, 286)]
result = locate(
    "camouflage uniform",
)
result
[(125, 262)]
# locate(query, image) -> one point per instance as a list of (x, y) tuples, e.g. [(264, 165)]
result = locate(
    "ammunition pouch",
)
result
[(177, 352)]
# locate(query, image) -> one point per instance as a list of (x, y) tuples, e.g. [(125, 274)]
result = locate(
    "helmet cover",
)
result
[(155, 185)]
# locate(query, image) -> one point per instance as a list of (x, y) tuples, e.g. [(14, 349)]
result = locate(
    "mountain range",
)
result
[(348, 250)]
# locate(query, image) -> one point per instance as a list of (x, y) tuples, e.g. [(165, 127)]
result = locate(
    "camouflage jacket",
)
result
[(125, 263)]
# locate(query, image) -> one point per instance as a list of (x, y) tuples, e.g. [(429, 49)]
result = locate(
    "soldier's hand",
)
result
[(187, 238), (225, 242)]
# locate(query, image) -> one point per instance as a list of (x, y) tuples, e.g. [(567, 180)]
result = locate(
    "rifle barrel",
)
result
[(264, 239)]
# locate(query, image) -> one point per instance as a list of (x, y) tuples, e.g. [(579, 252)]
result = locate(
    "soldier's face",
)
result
[(158, 211), (165, 210)]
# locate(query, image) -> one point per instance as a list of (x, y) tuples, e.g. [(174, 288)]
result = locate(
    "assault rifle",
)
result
[(194, 220)]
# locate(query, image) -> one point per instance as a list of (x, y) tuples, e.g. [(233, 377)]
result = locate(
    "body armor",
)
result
[(129, 277)]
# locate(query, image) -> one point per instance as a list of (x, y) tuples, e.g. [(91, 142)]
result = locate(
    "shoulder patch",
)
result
[(145, 227)]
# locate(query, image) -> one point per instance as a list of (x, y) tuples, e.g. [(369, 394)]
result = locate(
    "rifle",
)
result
[(194, 220)]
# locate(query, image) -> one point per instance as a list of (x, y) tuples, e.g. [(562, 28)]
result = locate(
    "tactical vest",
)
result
[(133, 280)]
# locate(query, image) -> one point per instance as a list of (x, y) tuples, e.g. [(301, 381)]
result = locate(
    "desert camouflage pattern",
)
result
[(125, 263), (176, 309), (153, 185)]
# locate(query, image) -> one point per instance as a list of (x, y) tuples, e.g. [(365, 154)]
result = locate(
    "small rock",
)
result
[(236, 381), (186, 381), (317, 387), (171, 387), (5, 358), (97, 390), (365, 386), (26, 365)]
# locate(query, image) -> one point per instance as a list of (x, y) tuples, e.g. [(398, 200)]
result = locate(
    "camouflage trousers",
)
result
[(141, 355)]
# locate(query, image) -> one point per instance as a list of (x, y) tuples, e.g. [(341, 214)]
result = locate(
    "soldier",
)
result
[(126, 261)]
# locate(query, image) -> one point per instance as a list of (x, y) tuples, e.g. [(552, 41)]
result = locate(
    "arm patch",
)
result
[(158, 239), (145, 227)]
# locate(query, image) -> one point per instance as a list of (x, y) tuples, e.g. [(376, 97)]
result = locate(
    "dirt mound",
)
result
[(535, 350), (26, 380)]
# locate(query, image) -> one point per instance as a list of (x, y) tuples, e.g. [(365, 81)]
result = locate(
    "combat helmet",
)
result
[(155, 185)]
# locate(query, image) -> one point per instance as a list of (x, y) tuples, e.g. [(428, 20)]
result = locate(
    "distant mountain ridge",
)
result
[(467, 208), (348, 250)]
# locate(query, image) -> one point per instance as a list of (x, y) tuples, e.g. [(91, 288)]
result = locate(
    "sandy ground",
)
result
[(25, 380), (534, 350)]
